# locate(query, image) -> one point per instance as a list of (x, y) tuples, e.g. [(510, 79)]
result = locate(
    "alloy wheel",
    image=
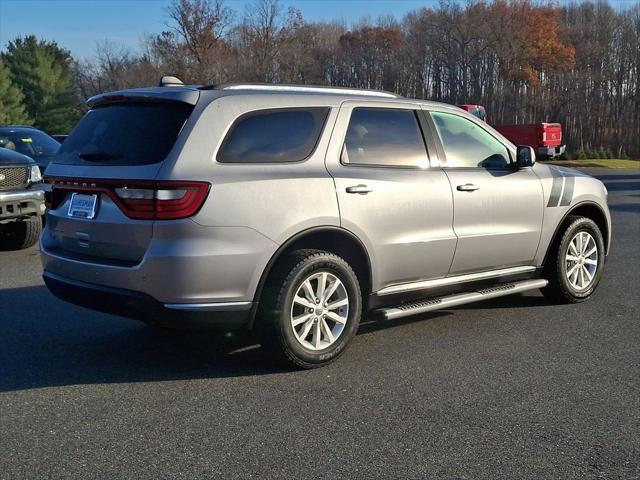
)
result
[(581, 260), (319, 310)]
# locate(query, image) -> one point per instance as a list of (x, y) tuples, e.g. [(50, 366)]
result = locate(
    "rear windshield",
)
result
[(125, 134)]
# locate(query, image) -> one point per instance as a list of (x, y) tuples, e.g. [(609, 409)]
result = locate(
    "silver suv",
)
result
[(297, 210)]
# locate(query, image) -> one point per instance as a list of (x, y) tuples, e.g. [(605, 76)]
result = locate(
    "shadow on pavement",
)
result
[(45, 342)]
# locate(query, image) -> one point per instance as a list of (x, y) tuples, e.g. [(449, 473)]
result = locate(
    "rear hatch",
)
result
[(551, 134), (102, 205)]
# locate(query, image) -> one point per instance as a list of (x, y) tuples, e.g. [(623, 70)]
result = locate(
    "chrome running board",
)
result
[(455, 280), (422, 306)]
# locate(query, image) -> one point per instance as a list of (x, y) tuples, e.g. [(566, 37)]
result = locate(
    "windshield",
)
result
[(32, 143), (125, 134)]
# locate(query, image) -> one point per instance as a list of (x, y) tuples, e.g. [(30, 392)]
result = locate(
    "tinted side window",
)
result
[(266, 136), (467, 144), (384, 136), (31, 143)]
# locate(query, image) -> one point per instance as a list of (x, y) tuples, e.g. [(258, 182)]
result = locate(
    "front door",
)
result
[(389, 195), (498, 209)]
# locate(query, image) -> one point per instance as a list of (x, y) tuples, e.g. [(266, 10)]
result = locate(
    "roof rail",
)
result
[(307, 89)]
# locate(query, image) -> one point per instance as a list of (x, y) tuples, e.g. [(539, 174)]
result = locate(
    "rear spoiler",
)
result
[(155, 94)]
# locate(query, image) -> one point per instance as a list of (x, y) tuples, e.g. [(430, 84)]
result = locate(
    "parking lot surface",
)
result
[(511, 388)]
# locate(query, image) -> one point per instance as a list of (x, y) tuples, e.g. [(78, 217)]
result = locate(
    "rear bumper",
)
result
[(551, 151), (21, 203), (184, 263), (140, 306)]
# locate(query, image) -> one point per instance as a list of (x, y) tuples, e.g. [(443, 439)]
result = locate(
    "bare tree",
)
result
[(200, 24), (197, 38), (527, 61)]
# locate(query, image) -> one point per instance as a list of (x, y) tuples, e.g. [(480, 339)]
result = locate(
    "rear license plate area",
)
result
[(83, 206)]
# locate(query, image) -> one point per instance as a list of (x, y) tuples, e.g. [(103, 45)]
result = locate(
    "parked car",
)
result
[(29, 141), (21, 200), (296, 210), (545, 137)]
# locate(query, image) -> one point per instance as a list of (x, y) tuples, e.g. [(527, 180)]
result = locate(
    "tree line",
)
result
[(527, 61)]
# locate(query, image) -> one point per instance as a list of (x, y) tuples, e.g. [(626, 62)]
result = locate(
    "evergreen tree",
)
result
[(42, 70), (12, 109)]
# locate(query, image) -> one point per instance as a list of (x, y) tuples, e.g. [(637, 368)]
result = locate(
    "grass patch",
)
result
[(602, 163)]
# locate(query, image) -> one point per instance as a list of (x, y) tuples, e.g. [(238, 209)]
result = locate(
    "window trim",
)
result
[(266, 111), (440, 147), (421, 127)]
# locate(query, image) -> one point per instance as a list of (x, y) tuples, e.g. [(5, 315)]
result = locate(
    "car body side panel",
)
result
[(581, 189), (498, 226), (275, 200), (564, 189), (405, 222)]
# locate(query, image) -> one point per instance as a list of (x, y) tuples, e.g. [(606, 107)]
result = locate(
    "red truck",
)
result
[(546, 138)]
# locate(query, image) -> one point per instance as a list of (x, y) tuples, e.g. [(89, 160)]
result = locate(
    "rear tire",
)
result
[(575, 262), (311, 308), (21, 234)]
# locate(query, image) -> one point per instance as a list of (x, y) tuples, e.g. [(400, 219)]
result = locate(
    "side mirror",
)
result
[(525, 156)]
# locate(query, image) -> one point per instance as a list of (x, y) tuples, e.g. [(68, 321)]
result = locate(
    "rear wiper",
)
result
[(98, 156)]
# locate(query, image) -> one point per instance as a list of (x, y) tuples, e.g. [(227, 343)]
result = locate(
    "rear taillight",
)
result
[(180, 199), (141, 199)]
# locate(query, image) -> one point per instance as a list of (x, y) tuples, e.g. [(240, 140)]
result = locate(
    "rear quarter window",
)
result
[(125, 134), (273, 136)]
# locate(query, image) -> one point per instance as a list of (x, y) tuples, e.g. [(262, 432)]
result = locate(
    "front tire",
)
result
[(576, 262), (311, 309), (20, 234)]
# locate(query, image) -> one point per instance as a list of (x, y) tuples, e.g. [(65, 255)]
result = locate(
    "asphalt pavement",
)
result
[(509, 388)]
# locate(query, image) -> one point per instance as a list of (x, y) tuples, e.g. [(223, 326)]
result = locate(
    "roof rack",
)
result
[(306, 89)]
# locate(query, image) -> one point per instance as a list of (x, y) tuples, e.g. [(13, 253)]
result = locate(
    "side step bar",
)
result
[(422, 306)]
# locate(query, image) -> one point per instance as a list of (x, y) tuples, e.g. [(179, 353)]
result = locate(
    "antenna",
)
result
[(169, 81)]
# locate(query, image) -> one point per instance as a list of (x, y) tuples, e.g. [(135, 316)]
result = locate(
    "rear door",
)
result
[(113, 148), (498, 209), (388, 194)]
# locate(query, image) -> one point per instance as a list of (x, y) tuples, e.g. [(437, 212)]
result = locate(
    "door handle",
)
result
[(467, 187), (361, 189)]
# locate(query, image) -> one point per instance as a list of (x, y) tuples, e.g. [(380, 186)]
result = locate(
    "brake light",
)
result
[(142, 199), (180, 199)]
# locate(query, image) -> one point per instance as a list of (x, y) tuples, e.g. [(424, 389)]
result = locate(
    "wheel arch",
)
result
[(333, 239), (586, 209)]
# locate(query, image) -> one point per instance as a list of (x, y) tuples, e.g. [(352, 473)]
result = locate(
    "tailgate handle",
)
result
[(361, 189), (83, 239), (468, 187)]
